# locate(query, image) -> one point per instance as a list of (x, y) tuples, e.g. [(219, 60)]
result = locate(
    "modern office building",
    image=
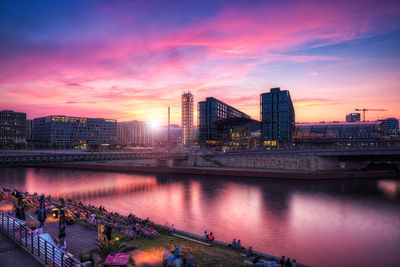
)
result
[(353, 117), (29, 130), (68, 132), (187, 118), (12, 128), (390, 126), (277, 118), (235, 134), (210, 111), (134, 133)]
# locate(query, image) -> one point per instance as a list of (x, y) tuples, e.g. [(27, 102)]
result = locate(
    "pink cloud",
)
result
[(211, 57)]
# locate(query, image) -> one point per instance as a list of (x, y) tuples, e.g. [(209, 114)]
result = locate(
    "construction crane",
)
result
[(368, 109)]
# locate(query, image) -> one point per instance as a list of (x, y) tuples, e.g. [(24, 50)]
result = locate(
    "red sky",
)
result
[(128, 60)]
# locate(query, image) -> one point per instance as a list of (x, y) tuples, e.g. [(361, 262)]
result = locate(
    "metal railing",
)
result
[(42, 249)]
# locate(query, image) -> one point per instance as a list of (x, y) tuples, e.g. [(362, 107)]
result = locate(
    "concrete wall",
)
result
[(274, 162)]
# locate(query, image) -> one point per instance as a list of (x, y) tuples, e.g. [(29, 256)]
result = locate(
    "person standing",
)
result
[(176, 251), (165, 257), (171, 260), (61, 227)]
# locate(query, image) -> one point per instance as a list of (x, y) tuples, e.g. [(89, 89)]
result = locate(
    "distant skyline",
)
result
[(130, 60)]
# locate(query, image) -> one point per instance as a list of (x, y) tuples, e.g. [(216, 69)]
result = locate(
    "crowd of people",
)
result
[(131, 226), (178, 257), (91, 216)]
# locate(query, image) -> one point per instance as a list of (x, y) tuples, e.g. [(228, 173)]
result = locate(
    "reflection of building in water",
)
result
[(113, 190), (391, 189)]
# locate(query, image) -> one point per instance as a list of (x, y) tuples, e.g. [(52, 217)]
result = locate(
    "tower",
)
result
[(187, 118)]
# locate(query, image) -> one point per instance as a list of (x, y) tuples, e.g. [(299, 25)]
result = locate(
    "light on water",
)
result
[(321, 223)]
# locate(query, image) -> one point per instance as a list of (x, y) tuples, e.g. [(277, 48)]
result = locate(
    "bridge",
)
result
[(345, 154), (301, 160), (15, 158)]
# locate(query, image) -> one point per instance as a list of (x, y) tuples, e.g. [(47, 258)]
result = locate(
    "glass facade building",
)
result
[(357, 130), (235, 134), (353, 117), (64, 131), (29, 130), (136, 133), (209, 112), (277, 117), (12, 127), (350, 134), (187, 118), (390, 126)]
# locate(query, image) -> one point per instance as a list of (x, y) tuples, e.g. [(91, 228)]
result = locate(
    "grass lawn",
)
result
[(214, 255)]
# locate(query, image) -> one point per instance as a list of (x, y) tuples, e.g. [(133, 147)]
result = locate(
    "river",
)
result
[(320, 223)]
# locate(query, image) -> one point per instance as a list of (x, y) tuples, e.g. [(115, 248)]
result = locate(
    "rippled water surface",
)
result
[(320, 223)]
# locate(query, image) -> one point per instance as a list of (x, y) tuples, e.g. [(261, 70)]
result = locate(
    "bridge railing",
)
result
[(42, 249)]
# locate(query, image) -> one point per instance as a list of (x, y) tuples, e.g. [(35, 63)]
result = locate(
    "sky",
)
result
[(130, 60)]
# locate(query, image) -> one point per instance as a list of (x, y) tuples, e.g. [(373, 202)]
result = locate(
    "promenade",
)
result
[(80, 238), (12, 255)]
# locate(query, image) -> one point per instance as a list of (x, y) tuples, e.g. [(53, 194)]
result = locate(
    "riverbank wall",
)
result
[(224, 171)]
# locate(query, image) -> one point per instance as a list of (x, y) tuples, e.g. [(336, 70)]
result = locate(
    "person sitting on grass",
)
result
[(239, 245), (257, 261), (249, 252), (211, 237), (234, 243), (205, 235)]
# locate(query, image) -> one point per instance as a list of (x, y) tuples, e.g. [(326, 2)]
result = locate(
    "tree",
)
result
[(114, 246)]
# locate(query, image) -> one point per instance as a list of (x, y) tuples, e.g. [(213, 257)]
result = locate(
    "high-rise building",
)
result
[(390, 126), (29, 130), (137, 133), (65, 131), (353, 117), (277, 117), (187, 118), (12, 127), (210, 111)]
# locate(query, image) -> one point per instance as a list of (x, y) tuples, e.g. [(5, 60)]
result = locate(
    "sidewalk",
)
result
[(11, 254)]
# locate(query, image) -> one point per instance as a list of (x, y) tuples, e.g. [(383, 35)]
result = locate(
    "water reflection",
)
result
[(341, 223)]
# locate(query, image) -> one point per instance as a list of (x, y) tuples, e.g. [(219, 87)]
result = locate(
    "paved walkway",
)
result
[(79, 239), (11, 254)]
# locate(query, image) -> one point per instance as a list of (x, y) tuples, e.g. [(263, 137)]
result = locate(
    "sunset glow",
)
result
[(130, 60)]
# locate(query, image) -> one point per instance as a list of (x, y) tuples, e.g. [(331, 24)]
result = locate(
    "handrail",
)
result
[(36, 245)]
